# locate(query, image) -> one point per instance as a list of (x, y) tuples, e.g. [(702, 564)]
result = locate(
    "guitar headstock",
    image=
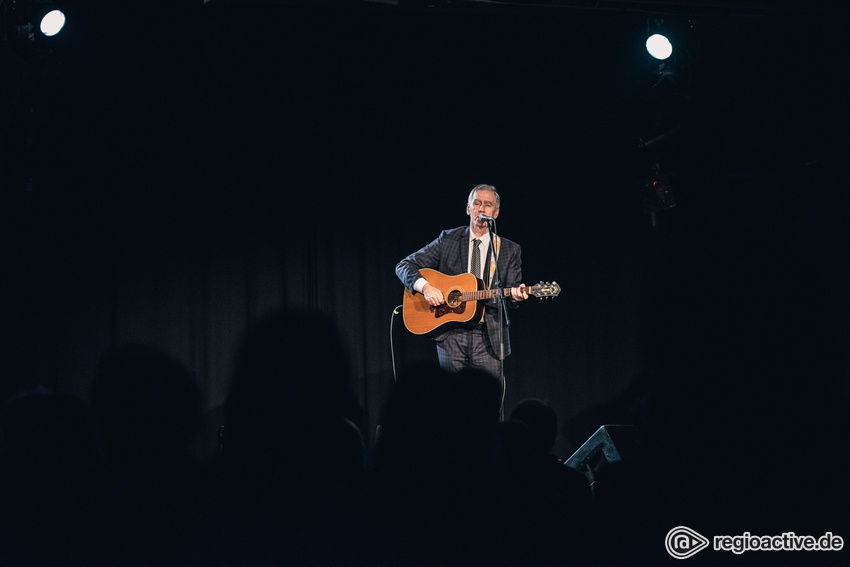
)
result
[(545, 290)]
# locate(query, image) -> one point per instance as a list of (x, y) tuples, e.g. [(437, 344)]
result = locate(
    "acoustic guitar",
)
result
[(464, 295)]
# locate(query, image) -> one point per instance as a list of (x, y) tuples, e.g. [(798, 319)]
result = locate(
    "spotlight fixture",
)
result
[(52, 22), (23, 18), (660, 35), (659, 46)]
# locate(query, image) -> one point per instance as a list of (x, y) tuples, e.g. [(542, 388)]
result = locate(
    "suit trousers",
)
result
[(469, 348)]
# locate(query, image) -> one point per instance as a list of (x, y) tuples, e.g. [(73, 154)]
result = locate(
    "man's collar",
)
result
[(485, 238)]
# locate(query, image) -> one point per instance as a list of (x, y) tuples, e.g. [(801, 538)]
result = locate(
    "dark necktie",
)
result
[(476, 258)]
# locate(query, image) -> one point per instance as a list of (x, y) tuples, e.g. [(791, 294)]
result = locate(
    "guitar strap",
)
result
[(491, 261)]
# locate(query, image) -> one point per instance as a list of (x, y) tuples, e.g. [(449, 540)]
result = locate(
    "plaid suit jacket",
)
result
[(449, 254)]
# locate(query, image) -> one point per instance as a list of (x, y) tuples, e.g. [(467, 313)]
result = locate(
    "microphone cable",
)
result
[(392, 348)]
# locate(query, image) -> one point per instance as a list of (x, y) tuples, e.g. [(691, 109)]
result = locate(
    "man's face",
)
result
[(483, 203)]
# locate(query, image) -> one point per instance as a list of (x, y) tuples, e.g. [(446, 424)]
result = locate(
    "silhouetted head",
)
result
[(49, 449), (144, 402), (541, 418), (439, 441), (286, 437), (487, 388), (290, 372)]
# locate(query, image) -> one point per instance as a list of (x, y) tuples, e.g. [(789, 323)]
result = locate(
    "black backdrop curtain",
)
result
[(172, 181)]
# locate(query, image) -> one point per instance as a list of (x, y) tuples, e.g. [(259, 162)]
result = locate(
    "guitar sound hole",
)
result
[(453, 298)]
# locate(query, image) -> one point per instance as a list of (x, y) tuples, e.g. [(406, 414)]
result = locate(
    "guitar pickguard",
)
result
[(446, 309)]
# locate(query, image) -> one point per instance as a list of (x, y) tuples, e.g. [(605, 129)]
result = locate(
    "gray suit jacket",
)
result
[(449, 254)]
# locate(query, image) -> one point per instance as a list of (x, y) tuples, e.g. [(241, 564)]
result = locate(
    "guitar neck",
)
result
[(484, 294)]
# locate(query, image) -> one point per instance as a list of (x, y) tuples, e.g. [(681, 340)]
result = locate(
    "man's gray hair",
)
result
[(485, 187)]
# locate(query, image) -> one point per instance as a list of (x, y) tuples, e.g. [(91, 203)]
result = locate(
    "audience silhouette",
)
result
[(439, 462), (147, 409), (290, 486), (49, 476), (740, 423), (550, 474)]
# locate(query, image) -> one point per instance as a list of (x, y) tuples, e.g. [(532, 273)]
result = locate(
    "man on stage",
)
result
[(469, 249)]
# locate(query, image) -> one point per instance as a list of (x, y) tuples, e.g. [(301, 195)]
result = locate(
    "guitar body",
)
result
[(421, 318)]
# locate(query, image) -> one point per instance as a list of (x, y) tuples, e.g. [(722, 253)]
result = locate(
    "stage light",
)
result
[(657, 193), (23, 19), (659, 46), (52, 23)]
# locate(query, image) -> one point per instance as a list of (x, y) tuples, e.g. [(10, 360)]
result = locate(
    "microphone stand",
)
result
[(504, 321)]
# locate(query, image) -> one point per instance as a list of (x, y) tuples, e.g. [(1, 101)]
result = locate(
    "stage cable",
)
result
[(392, 348)]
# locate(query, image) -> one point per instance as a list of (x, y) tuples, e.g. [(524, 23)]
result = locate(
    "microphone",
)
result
[(485, 218)]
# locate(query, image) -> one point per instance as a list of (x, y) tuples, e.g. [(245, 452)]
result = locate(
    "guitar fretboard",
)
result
[(483, 294)]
